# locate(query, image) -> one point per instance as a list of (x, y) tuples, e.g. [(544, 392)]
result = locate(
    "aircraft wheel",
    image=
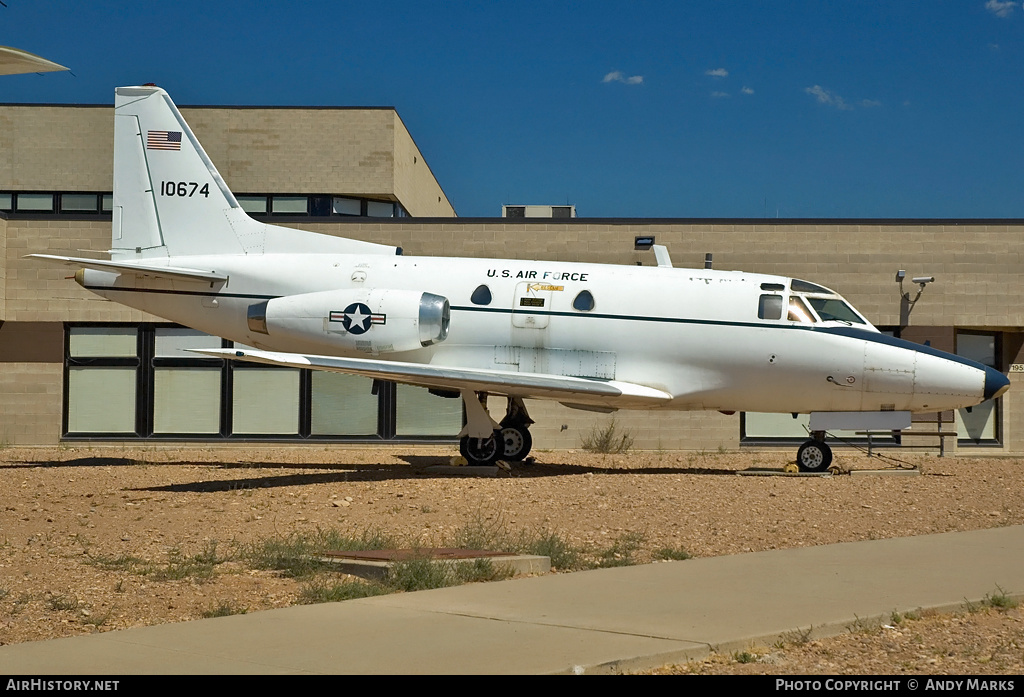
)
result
[(481, 451), (518, 442), (814, 456)]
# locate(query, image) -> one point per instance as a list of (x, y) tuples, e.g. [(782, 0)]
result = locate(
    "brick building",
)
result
[(77, 367)]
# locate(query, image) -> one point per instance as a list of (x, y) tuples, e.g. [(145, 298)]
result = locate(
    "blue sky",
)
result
[(701, 108)]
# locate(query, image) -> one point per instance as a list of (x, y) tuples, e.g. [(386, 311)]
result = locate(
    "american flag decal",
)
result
[(163, 140)]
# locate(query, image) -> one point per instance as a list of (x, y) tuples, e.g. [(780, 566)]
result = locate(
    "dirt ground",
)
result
[(85, 532)]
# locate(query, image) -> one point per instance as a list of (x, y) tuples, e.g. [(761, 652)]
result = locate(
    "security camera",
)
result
[(923, 279)]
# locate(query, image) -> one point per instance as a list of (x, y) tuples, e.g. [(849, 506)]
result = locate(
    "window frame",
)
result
[(146, 364)]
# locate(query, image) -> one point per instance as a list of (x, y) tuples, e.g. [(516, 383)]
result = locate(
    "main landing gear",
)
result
[(814, 455), (483, 442)]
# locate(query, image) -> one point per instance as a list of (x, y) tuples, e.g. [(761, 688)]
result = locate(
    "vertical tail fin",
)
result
[(169, 199)]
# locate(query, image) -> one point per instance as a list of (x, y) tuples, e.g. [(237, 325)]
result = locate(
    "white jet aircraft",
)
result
[(590, 336)]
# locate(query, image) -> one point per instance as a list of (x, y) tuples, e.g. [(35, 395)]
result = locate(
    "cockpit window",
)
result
[(798, 311), (834, 309), (481, 296), (770, 307), (799, 286)]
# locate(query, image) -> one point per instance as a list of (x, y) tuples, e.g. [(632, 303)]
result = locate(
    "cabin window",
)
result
[(481, 296), (584, 301), (770, 307), (798, 311)]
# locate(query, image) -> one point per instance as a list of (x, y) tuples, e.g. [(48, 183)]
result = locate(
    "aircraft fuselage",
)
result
[(710, 339)]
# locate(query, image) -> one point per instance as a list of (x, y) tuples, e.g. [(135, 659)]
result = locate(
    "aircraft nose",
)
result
[(995, 383)]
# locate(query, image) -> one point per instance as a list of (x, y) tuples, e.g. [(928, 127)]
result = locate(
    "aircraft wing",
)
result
[(173, 273), (15, 61), (578, 391)]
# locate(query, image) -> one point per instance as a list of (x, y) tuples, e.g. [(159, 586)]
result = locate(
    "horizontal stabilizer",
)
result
[(152, 270), (621, 395)]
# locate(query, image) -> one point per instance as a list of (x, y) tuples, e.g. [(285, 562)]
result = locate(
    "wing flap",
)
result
[(612, 393), (174, 273)]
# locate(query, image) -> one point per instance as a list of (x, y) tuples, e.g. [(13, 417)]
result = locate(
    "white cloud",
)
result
[(869, 103), (825, 97), (1000, 9), (617, 76), (747, 90), (718, 95), (717, 72)]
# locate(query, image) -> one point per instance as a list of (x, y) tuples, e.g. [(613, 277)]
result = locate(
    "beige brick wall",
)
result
[(35, 291), (30, 403), (415, 184), (52, 148), (364, 152)]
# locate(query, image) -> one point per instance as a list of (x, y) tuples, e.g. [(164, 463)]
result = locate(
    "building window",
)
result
[(420, 413), (79, 203), (34, 203), (101, 380), (347, 206), (72, 203), (380, 209), (343, 405), (142, 381), (265, 401), (186, 386), (980, 425), (254, 205), (289, 205)]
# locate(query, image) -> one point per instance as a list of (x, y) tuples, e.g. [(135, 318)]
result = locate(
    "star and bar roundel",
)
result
[(357, 318)]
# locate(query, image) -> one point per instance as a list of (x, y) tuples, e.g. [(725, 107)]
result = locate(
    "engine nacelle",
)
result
[(368, 320)]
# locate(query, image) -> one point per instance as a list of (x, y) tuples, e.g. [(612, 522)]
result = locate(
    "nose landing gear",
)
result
[(814, 455)]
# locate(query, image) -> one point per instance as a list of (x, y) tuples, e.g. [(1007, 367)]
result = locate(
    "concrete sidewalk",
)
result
[(592, 621)]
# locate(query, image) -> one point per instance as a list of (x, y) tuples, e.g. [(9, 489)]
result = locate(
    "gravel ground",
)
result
[(91, 536)]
